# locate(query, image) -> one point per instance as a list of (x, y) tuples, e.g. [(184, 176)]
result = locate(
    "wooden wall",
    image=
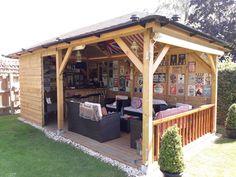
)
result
[(201, 67), (31, 86)]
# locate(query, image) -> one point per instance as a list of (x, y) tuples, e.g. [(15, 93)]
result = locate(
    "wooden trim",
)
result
[(204, 107), (65, 60), (117, 56), (160, 57), (198, 58), (177, 33), (60, 99), (147, 141), (212, 63), (204, 60), (177, 41), (135, 60)]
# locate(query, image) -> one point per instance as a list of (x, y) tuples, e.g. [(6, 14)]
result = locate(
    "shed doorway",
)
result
[(50, 90)]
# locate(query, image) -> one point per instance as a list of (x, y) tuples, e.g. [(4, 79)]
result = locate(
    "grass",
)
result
[(219, 160), (26, 152)]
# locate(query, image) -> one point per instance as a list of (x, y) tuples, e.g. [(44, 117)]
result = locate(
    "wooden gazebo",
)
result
[(164, 46)]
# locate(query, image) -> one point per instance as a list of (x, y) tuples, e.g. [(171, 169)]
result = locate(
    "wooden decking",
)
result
[(118, 149)]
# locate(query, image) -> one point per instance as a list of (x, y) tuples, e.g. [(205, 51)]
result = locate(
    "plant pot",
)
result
[(166, 174), (231, 133)]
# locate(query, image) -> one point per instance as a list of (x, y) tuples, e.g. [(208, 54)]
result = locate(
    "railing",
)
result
[(192, 125)]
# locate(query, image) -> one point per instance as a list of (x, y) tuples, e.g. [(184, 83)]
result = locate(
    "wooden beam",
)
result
[(103, 37), (106, 57), (201, 59), (178, 33), (212, 63), (103, 51), (176, 41), (160, 57), (130, 54), (147, 143), (65, 59), (60, 100)]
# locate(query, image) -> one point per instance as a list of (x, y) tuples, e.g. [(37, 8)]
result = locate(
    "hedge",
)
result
[(226, 89)]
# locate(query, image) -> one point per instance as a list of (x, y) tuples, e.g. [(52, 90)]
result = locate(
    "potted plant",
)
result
[(171, 159), (230, 123)]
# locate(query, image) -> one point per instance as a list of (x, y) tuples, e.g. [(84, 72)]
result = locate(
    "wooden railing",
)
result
[(192, 125)]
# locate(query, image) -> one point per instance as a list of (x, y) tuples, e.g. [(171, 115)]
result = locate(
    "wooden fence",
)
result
[(192, 125)]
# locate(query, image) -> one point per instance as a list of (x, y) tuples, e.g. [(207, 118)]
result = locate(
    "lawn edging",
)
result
[(59, 138)]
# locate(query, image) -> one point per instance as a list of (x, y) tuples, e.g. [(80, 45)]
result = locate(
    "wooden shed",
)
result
[(137, 55)]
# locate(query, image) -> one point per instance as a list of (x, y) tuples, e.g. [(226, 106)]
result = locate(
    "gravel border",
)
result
[(60, 138)]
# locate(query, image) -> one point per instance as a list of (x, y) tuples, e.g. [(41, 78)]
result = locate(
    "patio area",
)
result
[(118, 149)]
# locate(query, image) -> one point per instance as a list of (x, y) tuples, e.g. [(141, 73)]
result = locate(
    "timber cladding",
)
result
[(31, 88)]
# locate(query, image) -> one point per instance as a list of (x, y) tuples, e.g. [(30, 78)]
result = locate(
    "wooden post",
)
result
[(131, 80), (12, 93), (213, 63), (60, 100), (147, 141)]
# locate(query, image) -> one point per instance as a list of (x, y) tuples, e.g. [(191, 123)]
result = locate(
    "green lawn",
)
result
[(219, 160), (26, 152)]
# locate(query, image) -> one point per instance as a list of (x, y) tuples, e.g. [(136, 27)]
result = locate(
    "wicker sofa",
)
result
[(106, 129)]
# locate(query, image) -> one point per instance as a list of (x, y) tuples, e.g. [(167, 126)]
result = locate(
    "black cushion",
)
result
[(160, 107)]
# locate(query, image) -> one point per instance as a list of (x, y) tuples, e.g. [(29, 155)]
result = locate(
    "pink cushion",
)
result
[(136, 102), (171, 112)]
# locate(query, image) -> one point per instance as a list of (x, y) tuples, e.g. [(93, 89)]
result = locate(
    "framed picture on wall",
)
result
[(182, 59), (173, 60), (192, 66), (173, 89), (158, 88), (191, 90), (199, 90), (180, 89), (173, 78)]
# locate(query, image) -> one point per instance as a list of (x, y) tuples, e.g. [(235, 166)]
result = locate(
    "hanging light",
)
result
[(135, 48), (78, 56), (79, 47), (78, 53)]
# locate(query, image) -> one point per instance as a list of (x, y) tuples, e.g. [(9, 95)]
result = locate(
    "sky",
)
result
[(24, 23)]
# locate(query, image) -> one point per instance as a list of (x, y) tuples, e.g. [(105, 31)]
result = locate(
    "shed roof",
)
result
[(116, 24)]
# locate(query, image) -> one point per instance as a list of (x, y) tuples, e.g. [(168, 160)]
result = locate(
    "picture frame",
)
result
[(182, 59), (192, 66), (173, 60)]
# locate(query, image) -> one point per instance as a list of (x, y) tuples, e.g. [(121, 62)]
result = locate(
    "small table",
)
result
[(125, 122)]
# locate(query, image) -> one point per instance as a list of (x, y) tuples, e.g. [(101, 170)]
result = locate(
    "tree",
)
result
[(174, 7), (215, 17)]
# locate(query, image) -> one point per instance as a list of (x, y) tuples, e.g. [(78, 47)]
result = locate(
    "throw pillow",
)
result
[(136, 102), (104, 111)]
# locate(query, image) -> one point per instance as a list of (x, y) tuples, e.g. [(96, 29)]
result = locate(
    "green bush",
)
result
[(230, 122), (226, 89), (171, 153)]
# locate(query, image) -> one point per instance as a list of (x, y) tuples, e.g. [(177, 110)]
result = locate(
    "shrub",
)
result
[(230, 122), (226, 89), (171, 153)]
